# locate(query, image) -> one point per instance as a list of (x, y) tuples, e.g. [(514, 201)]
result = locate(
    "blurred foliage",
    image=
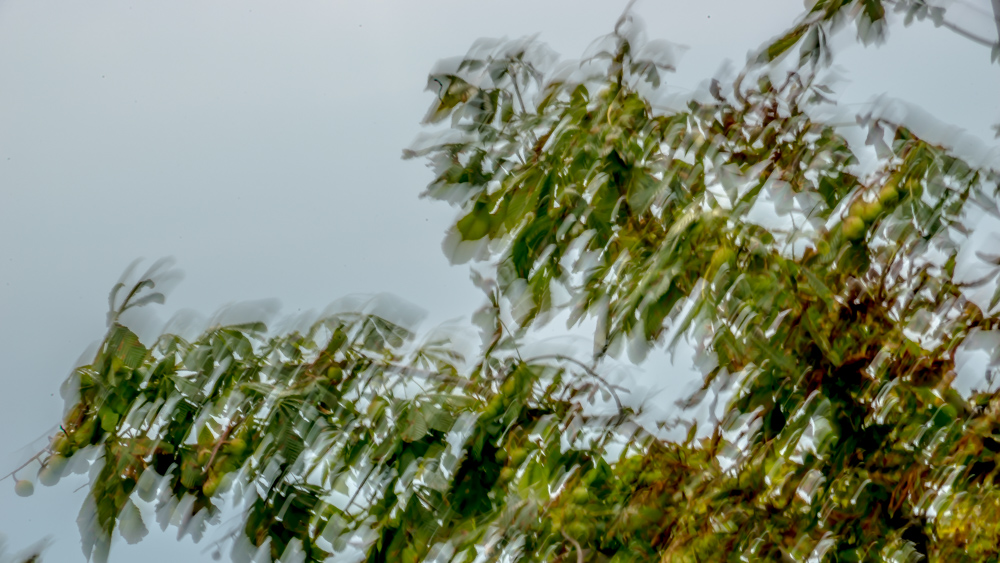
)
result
[(30, 555), (823, 300)]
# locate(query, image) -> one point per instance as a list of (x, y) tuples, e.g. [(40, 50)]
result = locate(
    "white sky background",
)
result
[(259, 144)]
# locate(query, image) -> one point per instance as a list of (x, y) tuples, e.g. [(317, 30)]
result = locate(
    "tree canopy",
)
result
[(823, 300)]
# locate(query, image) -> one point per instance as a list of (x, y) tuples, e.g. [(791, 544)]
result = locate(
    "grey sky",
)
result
[(259, 143)]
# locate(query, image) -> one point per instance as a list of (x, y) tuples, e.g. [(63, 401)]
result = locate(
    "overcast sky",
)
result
[(259, 144)]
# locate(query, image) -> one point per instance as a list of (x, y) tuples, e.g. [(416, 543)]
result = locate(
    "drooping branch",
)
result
[(611, 388)]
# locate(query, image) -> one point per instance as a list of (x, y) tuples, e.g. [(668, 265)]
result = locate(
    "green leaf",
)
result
[(123, 344), (783, 44), (414, 425)]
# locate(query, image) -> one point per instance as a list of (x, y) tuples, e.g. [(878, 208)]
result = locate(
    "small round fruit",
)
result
[(85, 433), (506, 474), (62, 445), (50, 474), (870, 211), (236, 446), (578, 530), (24, 488), (47, 476), (822, 248), (518, 455), (211, 485), (58, 463), (854, 228), (494, 408), (581, 495), (857, 208), (501, 456), (889, 194), (336, 374)]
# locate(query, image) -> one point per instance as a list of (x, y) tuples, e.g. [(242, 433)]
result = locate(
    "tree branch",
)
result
[(967, 34), (25, 464), (592, 373)]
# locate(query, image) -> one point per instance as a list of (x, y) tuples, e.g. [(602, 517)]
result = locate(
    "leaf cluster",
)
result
[(823, 301)]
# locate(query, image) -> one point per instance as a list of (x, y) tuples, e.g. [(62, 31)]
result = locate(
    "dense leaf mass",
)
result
[(823, 302)]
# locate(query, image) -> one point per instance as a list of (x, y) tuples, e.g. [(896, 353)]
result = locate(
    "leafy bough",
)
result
[(832, 320)]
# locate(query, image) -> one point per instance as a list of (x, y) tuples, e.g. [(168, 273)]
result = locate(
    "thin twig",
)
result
[(225, 435), (524, 109), (968, 35), (516, 350), (576, 544), (590, 371), (517, 90), (361, 485), (25, 464)]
